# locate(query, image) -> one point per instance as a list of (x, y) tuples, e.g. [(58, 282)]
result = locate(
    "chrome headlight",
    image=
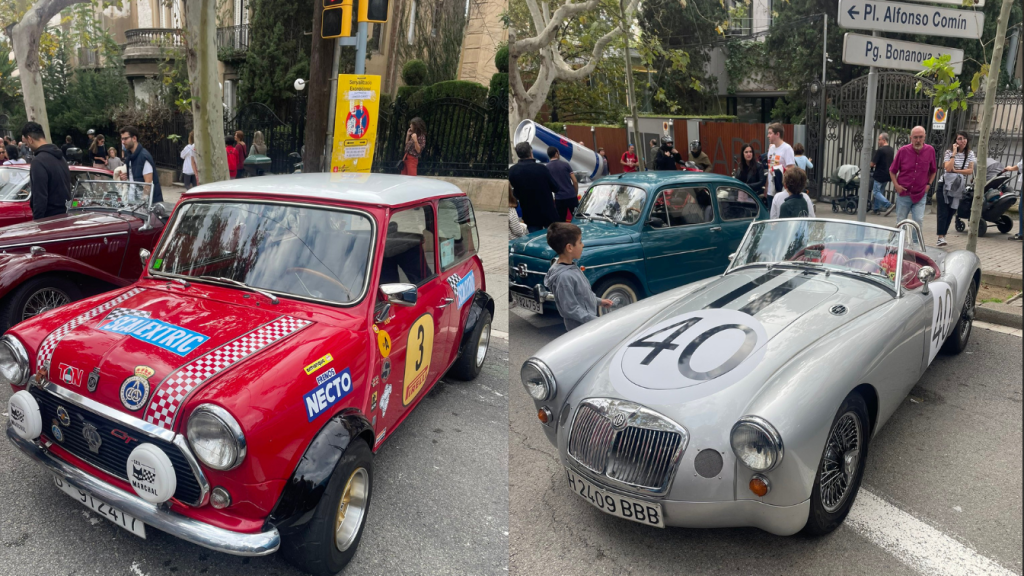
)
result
[(14, 368), (216, 437), (756, 443), (538, 379)]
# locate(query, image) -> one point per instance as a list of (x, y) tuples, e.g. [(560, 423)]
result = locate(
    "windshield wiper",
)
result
[(599, 217), (273, 299)]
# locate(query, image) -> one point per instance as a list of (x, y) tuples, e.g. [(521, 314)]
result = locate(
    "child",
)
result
[(574, 299)]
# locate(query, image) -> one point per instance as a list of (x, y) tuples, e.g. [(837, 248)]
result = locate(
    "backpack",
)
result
[(794, 207)]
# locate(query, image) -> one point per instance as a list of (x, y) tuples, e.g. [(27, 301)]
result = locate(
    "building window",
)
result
[(375, 42)]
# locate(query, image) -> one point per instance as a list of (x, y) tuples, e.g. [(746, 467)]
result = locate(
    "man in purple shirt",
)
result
[(912, 172)]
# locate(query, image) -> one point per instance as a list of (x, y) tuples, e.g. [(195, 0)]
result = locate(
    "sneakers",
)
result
[(889, 209), (1014, 237), (941, 242)]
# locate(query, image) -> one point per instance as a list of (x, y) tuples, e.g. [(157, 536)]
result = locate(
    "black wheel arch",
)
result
[(482, 301), (308, 482), (870, 396)]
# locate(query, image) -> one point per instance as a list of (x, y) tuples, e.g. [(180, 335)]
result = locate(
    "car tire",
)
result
[(471, 360), (1005, 224), (841, 476), (37, 295), (957, 341), (317, 549), (616, 289)]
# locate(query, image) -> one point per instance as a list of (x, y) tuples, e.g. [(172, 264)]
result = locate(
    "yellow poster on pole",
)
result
[(355, 123)]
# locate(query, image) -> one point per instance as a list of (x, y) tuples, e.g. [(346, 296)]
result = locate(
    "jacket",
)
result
[(576, 302), (136, 163), (533, 185), (51, 182)]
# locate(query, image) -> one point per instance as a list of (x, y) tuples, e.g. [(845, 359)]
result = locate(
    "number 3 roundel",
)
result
[(706, 349), (419, 347)]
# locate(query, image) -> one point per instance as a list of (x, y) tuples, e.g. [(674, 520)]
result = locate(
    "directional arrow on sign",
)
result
[(910, 18), (853, 12)]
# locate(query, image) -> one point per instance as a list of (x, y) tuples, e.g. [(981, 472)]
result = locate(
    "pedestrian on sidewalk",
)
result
[(68, 143), (566, 198), (415, 142), (751, 172), (698, 157), (802, 162), (958, 163), (534, 187), (188, 164), (258, 145), (49, 174), (241, 151), (653, 153), (793, 202), (629, 160), (98, 152), (138, 160), (1019, 169), (668, 157), (880, 174), (515, 226), (112, 160), (606, 169), (232, 154), (912, 173), (12, 156), (780, 158)]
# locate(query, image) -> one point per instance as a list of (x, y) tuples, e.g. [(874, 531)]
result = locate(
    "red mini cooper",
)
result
[(283, 328)]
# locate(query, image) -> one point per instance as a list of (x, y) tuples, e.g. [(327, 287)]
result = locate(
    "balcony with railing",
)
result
[(232, 42), (150, 43)]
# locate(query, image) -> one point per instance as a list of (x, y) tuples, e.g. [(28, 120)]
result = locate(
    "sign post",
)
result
[(355, 123), (864, 192)]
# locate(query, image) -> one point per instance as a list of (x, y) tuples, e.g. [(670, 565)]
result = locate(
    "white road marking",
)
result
[(136, 570), (998, 328), (916, 543), (499, 334)]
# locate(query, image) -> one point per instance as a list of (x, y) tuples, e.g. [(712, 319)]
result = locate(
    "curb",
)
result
[(999, 317), (1002, 279)]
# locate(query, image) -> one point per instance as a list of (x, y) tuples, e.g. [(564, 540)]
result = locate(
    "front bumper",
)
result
[(219, 539)]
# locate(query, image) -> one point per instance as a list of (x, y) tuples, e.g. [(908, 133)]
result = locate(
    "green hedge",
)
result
[(499, 86), (405, 92), (414, 72), (451, 89), (709, 118), (501, 59), (557, 126)]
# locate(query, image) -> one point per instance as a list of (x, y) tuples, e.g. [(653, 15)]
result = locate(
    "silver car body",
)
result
[(810, 356)]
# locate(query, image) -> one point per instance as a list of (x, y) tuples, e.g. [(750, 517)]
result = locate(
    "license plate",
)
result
[(528, 303), (647, 513), (129, 523)]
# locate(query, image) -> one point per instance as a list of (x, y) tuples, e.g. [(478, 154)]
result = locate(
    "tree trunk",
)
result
[(321, 59), (25, 36), (207, 100), (987, 111)]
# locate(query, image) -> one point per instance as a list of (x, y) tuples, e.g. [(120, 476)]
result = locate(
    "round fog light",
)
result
[(759, 485), (220, 498)]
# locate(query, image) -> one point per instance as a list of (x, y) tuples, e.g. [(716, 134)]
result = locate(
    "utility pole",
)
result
[(630, 95)]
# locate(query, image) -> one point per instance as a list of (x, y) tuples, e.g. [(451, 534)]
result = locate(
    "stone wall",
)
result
[(485, 194)]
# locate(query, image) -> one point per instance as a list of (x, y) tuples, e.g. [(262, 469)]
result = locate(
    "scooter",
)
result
[(998, 199)]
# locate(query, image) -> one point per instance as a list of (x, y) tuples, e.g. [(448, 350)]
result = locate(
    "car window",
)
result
[(686, 206), (76, 176), (14, 184), (409, 247), (457, 237), (736, 204)]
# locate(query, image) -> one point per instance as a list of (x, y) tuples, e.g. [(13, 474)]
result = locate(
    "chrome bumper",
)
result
[(219, 539), (539, 296)]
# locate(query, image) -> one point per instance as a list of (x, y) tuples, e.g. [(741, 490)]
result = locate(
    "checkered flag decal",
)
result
[(118, 312), (143, 474), (168, 397), (53, 339)]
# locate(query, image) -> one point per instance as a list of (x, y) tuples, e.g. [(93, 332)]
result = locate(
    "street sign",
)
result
[(960, 3), (910, 19), (355, 123), (939, 119), (885, 53)]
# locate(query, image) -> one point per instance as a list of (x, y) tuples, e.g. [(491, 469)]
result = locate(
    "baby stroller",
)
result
[(846, 179), (998, 199)]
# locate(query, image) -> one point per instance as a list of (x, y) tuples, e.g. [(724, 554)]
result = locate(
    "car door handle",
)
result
[(446, 302), (715, 229)]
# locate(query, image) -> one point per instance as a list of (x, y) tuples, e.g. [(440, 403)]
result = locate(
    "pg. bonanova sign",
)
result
[(885, 53)]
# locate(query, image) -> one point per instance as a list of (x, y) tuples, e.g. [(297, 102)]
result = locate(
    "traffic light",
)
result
[(372, 10), (337, 19)]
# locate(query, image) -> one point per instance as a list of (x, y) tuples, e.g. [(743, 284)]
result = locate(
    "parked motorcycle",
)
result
[(998, 198)]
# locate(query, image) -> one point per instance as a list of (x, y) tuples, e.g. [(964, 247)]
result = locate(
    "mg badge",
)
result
[(94, 379), (62, 415), (92, 437), (619, 421), (135, 389)]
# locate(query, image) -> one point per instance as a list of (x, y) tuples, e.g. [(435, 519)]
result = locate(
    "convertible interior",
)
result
[(873, 258)]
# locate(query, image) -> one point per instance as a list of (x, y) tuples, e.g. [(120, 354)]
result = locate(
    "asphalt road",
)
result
[(943, 479)]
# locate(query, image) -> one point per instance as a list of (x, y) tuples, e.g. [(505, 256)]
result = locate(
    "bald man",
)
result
[(912, 172)]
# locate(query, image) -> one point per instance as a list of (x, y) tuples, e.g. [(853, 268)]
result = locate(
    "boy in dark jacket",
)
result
[(574, 299), (51, 178)]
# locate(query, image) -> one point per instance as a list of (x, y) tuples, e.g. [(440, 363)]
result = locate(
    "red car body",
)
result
[(260, 362), (16, 207)]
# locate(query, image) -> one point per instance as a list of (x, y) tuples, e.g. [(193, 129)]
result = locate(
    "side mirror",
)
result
[(399, 294), (162, 210), (144, 257), (926, 274), (732, 257)]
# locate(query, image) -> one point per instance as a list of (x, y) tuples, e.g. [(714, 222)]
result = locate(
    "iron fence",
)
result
[(233, 37)]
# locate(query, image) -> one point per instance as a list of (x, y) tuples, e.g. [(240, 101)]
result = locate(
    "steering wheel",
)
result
[(871, 262), (628, 210), (321, 276)]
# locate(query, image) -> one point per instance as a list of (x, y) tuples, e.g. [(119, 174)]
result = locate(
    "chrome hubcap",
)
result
[(481, 344), (620, 297), (43, 301), (351, 509), (839, 466)]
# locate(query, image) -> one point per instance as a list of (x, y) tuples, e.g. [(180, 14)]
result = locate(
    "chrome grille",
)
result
[(626, 443)]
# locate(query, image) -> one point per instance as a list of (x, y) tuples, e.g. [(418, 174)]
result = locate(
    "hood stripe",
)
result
[(744, 289), (53, 338), (176, 387), (773, 295)]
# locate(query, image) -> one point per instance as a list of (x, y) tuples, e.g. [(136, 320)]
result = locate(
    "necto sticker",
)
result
[(327, 393), (160, 334)]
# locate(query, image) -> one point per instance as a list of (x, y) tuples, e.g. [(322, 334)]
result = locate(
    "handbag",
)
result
[(954, 184)]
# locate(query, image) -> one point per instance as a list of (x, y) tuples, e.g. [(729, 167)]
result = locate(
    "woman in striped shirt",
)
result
[(959, 160)]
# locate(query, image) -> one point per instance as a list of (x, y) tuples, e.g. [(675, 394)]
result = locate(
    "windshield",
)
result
[(12, 184), (842, 246), (614, 203), (291, 250), (116, 194)]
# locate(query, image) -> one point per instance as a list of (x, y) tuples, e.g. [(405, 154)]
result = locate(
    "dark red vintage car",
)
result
[(15, 190), (235, 395), (93, 248)]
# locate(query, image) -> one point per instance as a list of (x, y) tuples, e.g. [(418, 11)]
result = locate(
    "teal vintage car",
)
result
[(643, 233)]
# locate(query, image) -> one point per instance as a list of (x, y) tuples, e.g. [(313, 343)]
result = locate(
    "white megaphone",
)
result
[(579, 157)]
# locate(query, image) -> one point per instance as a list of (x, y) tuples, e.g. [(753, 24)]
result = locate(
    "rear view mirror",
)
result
[(144, 257), (399, 294), (926, 274)]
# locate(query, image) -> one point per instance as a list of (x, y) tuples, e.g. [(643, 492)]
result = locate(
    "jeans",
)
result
[(878, 194), (566, 207), (916, 211), (944, 213)]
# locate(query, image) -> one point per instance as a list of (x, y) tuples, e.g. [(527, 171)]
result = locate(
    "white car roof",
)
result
[(378, 189)]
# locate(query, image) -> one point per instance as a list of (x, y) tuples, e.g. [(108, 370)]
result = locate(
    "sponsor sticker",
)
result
[(94, 380), (327, 394), (135, 388), (373, 402), (63, 416), (375, 381), (318, 364), (71, 376), (380, 437), (385, 369), (384, 400), (58, 435), (325, 376), (143, 477), (465, 289), (160, 334), (418, 350), (384, 343)]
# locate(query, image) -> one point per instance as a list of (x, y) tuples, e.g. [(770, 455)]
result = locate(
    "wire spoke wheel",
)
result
[(351, 509), (44, 300), (967, 315), (840, 465)]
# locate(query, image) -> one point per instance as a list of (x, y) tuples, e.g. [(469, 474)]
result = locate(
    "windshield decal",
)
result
[(53, 339), (174, 390), (748, 287), (170, 337)]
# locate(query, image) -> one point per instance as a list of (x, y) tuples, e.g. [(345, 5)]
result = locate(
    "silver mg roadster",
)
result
[(750, 398)]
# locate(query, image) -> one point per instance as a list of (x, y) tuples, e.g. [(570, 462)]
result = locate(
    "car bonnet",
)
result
[(594, 234), (146, 351), (72, 226)]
